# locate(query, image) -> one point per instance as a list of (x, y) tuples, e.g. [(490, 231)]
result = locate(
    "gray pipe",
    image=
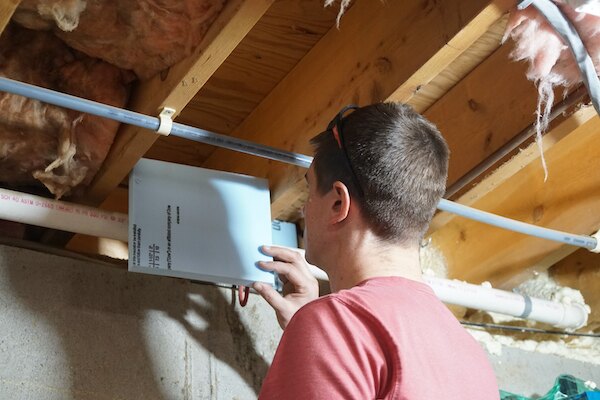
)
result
[(244, 146)]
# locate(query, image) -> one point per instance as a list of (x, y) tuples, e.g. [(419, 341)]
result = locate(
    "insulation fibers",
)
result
[(344, 4), (551, 62), (585, 6), (60, 148), (42, 15), (550, 59)]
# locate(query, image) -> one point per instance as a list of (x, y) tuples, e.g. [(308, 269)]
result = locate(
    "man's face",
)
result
[(314, 216)]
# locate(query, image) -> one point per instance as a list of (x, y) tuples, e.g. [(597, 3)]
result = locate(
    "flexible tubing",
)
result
[(151, 123), (200, 135), (587, 242)]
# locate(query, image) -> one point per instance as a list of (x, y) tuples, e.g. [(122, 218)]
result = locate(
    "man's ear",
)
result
[(340, 203)]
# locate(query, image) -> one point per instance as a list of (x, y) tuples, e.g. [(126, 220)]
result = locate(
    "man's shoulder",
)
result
[(321, 309), (334, 306), (382, 300), (347, 300), (323, 303)]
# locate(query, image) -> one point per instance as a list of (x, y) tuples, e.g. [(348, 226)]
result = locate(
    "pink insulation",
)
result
[(145, 36), (551, 62), (87, 48), (550, 59), (58, 147)]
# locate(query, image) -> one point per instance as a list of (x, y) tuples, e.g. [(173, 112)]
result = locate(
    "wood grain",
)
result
[(278, 41), (568, 201), (175, 88), (7, 9), (360, 63)]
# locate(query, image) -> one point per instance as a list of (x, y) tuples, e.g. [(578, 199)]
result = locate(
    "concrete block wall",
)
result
[(71, 329)]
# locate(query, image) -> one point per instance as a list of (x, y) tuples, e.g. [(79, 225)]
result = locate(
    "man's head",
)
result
[(393, 163)]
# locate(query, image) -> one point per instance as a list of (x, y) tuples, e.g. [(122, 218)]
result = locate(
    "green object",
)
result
[(565, 387)]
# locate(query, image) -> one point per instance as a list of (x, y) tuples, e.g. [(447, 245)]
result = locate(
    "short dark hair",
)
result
[(400, 160)]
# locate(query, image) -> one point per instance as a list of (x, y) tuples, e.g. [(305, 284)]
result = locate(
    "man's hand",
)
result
[(299, 286)]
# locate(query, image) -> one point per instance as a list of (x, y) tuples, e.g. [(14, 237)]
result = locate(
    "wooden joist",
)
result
[(278, 41), (175, 88), (455, 60), (7, 9), (429, 93), (568, 201), (362, 62), (484, 110), (287, 31)]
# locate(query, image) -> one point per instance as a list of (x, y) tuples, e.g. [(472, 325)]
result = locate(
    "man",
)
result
[(377, 176)]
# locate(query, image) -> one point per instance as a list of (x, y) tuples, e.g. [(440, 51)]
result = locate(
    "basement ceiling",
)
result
[(275, 72)]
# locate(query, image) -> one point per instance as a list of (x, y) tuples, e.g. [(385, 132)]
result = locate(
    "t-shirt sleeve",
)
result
[(326, 352)]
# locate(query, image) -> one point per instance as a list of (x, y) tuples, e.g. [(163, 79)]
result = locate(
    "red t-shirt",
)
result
[(387, 338)]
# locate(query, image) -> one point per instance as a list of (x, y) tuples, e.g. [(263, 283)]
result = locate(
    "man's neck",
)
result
[(364, 257)]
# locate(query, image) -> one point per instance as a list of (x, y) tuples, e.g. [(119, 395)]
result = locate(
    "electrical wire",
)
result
[(527, 329)]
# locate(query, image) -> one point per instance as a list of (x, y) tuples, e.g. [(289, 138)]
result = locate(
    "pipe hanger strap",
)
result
[(597, 237), (166, 121)]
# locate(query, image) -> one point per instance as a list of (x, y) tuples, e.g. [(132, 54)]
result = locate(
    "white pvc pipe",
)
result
[(568, 316), (40, 211), (36, 210)]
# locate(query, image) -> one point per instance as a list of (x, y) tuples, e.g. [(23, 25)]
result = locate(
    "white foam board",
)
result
[(197, 223)]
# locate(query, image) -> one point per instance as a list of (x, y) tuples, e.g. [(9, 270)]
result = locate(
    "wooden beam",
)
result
[(517, 162), (468, 107), (484, 111), (363, 62), (428, 93), (474, 43), (287, 31), (175, 88), (282, 37), (7, 9), (568, 201)]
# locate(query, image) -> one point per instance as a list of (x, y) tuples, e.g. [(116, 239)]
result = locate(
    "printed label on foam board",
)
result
[(197, 223)]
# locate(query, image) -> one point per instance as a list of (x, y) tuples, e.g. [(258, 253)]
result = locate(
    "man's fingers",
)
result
[(283, 253), (290, 271), (270, 295), (289, 256)]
